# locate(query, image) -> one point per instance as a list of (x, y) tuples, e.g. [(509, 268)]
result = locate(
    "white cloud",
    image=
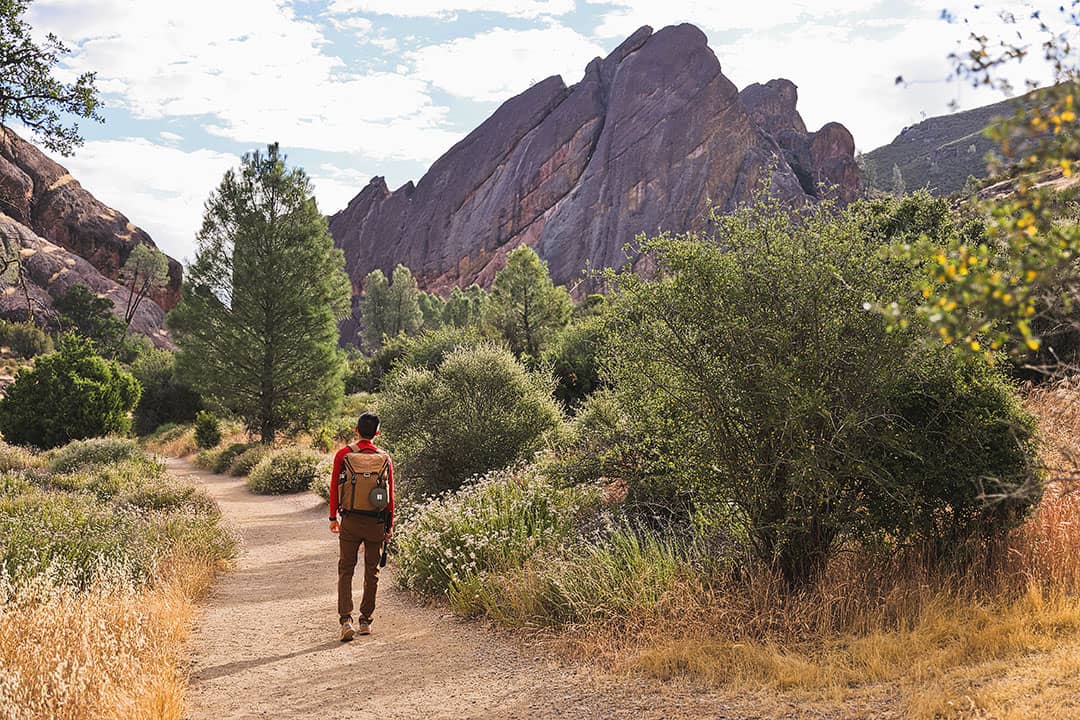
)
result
[(449, 8), (259, 71), (494, 65), (170, 136), (625, 16), (160, 188), (335, 186)]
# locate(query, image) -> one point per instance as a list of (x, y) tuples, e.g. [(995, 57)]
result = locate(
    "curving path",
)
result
[(266, 646)]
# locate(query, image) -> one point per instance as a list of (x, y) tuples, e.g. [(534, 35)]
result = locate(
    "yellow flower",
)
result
[(975, 346), (1033, 344)]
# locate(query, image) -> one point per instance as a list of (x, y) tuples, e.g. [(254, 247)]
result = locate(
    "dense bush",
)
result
[(321, 484), (16, 458), (98, 451), (286, 471), (207, 430), (113, 522), (491, 525), (24, 339), (334, 433), (599, 444), (479, 411), (245, 462), (68, 395), (573, 359), (228, 455), (760, 384), (164, 399), (428, 349)]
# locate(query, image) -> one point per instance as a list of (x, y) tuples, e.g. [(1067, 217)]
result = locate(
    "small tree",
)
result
[(480, 410), (465, 308), (257, 322), (431, 307), (70, 394), (164, 398), (526, 307), (83, 312), (28, 90), (390, 308), (144, 271), (207, 430)]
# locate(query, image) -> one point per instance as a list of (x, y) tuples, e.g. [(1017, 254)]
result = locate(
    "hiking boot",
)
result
[(365, 627), (347, 631)]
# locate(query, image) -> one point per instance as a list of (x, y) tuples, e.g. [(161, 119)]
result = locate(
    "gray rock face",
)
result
[(650, 140)]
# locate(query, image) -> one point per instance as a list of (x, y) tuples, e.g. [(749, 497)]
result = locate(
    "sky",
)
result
[(352, 89)]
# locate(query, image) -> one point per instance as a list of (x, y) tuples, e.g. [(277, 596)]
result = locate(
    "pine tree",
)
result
[(390, 308), (257, 322), (525, 306)]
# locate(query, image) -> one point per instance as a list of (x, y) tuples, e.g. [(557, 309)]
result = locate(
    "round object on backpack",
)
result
[(379, 497)]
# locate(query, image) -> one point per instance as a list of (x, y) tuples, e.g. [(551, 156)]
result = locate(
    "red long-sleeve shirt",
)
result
[(368, 447)]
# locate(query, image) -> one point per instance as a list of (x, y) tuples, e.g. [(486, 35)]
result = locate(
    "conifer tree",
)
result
[(525, 306), (257, 325)]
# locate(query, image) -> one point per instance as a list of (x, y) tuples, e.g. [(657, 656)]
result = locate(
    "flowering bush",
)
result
[(493, 524), (288, 471)]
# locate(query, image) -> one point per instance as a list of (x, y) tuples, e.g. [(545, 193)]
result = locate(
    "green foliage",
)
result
[(25, 339), (207, 430), (431, 308), (573, 359), (389, 309), (480, 410), (492, 525), (428, 349), (245, 462), (80, 454), (257, 322), (334, 433), (286, 471), (164, 398), (760, 385), (145, 270), (321, 484), (30, 94), (224, 460), (69, 394), (525, 307), (85, 313), (465, 308), (600, 444), (982, 297), (114, 523)]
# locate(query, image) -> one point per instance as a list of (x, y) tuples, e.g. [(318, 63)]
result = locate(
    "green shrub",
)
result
[(245, 462), (69, 394), (573, 359), (334, 434), (207, 430), (599, 444), (108, 523), (286, 471), (16, 458), (479, 411), (207, 459), (24, 339), (164, 399), (357, 403), (228, 454), (97, 451), (494, 524), (428, 349), (321, 484), (762, 386)]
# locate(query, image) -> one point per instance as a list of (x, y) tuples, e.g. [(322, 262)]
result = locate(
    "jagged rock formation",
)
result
[(651, 138), (66, 237)]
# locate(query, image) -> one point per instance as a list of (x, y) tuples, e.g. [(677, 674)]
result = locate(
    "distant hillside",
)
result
[(939, 153)]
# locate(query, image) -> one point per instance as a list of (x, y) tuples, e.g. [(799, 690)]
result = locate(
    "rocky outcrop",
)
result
[(651, 139), (49, 271), (43, 196)]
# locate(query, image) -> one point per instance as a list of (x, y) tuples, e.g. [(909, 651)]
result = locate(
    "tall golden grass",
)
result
[(995, 637), (107, 654)]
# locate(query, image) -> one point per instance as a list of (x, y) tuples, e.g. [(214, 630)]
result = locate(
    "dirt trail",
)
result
[(266, 643)]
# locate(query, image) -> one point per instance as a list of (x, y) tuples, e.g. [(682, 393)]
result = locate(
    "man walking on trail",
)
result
[(362, 491)]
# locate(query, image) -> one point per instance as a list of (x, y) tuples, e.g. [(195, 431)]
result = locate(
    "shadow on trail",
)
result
[(226, 669)]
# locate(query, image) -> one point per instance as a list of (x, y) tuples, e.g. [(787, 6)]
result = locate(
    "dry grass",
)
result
[(996, 638), (100, 655)]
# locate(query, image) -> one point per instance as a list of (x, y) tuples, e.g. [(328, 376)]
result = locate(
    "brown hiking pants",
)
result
[(357, 530)]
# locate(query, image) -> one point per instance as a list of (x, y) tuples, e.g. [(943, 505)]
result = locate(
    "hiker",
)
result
[(362, 491)]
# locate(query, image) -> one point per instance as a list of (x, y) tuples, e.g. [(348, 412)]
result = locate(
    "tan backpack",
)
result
[(363, 482)]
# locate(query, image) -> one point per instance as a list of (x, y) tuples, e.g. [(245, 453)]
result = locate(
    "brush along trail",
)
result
[(266, 644)]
